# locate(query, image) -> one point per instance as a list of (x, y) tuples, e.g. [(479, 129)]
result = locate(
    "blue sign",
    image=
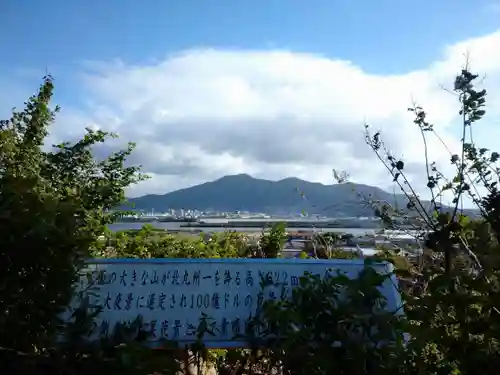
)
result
[(172, 296)]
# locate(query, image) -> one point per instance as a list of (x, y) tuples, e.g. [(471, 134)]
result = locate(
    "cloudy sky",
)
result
[(272, 88)]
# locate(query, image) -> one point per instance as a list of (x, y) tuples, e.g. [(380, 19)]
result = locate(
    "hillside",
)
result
[(245, 193)]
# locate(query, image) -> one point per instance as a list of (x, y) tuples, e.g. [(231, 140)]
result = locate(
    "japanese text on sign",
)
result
[(171, 295)]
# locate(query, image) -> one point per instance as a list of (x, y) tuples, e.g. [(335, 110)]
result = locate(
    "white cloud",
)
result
[(204, 113)]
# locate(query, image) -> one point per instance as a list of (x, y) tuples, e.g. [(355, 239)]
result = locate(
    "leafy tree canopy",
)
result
[(53, 205)]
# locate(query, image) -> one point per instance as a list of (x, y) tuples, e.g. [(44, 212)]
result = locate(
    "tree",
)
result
[(453, 308), (272, 243), (53, 206)]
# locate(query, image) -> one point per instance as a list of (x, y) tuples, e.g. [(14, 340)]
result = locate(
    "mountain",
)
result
[(291, 195)]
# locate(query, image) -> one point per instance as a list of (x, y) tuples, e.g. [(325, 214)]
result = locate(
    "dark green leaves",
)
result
[(53, 207)]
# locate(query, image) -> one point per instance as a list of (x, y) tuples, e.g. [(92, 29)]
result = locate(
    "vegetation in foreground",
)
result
[(151, 242), (54, 205)]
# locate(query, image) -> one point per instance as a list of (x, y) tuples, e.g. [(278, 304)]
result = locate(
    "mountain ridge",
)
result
[(243, 192)]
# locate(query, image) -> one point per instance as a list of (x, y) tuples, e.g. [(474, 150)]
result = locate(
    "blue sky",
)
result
[(383, 36), (206, 85)]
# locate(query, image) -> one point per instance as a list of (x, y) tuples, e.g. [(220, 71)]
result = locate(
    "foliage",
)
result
[(344, 335), (401, 263), (331, 238), (452, 304), (272, 243), (54, 206)]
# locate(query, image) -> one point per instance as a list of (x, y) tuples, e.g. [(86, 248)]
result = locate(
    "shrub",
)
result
[(54, 206)]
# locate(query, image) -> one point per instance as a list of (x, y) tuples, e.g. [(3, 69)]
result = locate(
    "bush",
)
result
[(55, 205)]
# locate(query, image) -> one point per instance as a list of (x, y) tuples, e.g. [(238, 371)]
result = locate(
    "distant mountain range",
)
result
[(291, 195)]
